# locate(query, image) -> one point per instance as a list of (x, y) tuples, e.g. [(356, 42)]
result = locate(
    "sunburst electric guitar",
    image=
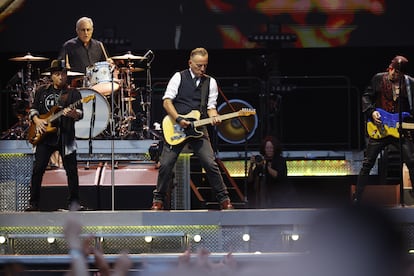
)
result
[(389, 125), (54, 113), (174, 134)]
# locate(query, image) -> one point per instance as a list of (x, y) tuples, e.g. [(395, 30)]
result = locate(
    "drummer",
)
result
[(83, 51)]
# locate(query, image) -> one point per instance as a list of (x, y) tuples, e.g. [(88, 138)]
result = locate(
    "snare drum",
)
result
[(100, 78), (102, 112)]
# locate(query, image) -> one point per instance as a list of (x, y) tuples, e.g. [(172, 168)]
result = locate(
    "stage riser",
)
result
[(132, 185), (99, 198)]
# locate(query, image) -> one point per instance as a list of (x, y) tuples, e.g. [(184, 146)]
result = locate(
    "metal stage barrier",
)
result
[(16, 159)]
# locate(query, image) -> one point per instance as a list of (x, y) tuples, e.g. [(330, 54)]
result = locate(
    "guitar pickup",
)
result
[(176, 137)]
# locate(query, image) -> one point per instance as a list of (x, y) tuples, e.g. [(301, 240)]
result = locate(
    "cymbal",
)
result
[(69, 73), (133, 69), (128, 56), (28, 57)]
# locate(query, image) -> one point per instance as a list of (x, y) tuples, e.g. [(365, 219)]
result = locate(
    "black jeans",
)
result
[(374, 147), (42, 157)]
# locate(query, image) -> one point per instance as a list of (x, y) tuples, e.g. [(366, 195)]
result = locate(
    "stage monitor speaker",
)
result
[(131, 174), (238, 129), (57, 177)]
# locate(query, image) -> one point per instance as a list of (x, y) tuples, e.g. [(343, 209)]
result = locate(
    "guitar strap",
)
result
[(409, 94), (204, 94)]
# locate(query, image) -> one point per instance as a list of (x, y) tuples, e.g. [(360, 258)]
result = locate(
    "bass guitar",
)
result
[(174, 134), (54, 113), (388, 127)]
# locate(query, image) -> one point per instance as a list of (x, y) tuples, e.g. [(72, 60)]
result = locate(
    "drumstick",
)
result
[(103, 50), (67, 62)]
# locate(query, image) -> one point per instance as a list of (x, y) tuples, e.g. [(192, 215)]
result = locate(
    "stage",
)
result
[(264, 237), (119, 218)]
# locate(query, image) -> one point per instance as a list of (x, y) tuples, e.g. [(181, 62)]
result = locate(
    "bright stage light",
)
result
[(197, 238), (246, 237), (2, 239), (294, 237), (51, 240), (148, 239)]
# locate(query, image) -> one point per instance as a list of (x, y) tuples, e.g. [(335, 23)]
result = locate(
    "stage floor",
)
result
[(255, 237)]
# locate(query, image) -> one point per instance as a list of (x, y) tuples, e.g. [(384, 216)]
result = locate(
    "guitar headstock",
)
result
[(247, 112), (88, 98)]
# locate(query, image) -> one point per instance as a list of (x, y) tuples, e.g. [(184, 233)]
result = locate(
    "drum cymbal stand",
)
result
[(23, 98), (127, 111)]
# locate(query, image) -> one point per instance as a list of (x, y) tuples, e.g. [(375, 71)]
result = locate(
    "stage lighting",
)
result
[(246, 237), (197, 238), (2, 239), (148, 239), (51, 240), (294, 237), (271, 37)]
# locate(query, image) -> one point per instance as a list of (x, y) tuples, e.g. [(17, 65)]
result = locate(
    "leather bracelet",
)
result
[(179, 119)]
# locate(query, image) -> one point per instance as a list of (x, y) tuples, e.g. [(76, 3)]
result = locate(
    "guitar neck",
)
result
[(207, 121), (60, 113)]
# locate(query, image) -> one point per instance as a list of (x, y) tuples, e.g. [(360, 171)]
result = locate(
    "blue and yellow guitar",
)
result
[(388, 126)]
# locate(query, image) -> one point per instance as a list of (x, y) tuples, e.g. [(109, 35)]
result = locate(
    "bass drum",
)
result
[(102, 112)]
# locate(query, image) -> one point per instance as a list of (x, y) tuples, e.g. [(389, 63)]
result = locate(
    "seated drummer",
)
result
[(83, 51)]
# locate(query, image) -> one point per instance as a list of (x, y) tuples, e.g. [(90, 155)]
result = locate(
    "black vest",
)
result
[(189, 96)]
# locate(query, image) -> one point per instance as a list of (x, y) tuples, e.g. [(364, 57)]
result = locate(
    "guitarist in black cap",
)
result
[(388, 93), (52, 131)]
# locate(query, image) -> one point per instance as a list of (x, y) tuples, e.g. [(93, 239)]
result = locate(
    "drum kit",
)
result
[(122, 107)]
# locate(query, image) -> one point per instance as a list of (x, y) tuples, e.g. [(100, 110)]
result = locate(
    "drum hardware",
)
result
[(128, 56), (101, 79), (129, 99), (28, 57), (23, 89), (126, 99), (68, 73), (132, 69)]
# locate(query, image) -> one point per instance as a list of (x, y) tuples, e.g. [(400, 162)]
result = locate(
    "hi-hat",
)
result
[(68, 73), (28, 57), (128, 56)]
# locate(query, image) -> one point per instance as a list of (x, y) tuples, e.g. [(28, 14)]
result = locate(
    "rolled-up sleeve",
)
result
[(172, 88), (213, 95)]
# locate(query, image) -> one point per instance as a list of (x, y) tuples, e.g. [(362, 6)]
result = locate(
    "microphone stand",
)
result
[(400, 119), (149, 56), (112, 126)]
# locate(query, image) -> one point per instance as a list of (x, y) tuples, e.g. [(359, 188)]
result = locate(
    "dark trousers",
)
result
[(203, 150), (42, 157), (374, 147)]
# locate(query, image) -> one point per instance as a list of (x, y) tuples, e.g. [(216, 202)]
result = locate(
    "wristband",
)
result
[(76, 253), (179, 119)]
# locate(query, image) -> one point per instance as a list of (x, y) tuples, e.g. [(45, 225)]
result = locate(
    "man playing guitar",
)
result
[(388, 94), (59, 136)]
